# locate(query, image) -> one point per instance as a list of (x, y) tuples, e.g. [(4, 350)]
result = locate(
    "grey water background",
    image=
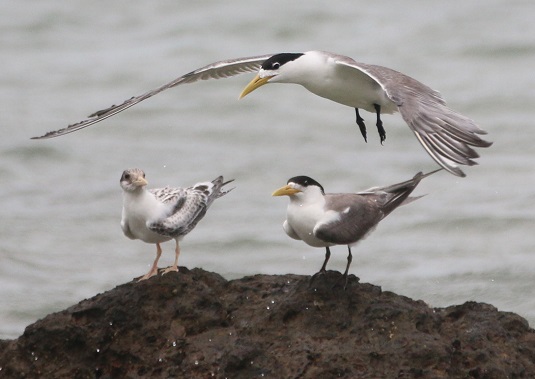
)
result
[(60, 200)]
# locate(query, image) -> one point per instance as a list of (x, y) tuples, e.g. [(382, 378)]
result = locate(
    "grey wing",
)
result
[(390, 197), (187, 211), (217, 70), (402, 186), (446, 135), (168, 195), (358, 215)]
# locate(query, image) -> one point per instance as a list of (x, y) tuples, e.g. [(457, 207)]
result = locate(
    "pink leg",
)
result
[(154, 269), (174, 267)]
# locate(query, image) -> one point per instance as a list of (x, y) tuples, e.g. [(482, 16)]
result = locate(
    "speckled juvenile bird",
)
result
[(326, 219), (159, 215)]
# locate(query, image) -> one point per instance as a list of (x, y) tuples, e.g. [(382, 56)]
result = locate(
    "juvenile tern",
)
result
[(446, 135), (159, 215), (326, 219)]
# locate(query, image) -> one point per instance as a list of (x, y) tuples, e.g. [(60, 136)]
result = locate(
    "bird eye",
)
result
[(275, 65), (127, 176)]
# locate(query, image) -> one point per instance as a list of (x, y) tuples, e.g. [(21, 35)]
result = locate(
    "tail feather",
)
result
[(400, 192), (218, 187)]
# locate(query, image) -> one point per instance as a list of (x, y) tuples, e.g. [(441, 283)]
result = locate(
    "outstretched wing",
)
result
[(446, 135), (217, 70)]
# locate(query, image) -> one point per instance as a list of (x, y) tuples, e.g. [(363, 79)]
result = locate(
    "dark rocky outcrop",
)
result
[(196, 324)]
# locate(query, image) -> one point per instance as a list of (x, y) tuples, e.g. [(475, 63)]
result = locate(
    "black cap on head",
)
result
[(278, 60), (305, 181)]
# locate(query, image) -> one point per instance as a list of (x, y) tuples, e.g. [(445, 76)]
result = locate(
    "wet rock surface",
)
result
[(196, 324)]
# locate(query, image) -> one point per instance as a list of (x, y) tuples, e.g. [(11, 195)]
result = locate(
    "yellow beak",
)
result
[(286, 190), (140, 182), (254, 84)]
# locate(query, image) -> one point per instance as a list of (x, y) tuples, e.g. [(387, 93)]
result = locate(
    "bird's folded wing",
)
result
[(185, 212), (390, 197), (357, 215)]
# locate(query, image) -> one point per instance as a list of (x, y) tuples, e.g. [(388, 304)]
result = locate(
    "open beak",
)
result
[(286, 190), (254, 84)]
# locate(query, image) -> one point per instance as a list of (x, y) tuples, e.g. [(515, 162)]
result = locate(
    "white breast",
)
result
[(321, 75), (138, 210), (303, 218)]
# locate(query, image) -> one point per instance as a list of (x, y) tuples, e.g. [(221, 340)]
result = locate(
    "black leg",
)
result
[(349, 260), (322, 269), (362, 126), (379, 124), (327, 256)]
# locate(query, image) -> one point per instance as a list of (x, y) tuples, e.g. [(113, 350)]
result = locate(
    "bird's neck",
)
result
[(137, 196), (315, 198)]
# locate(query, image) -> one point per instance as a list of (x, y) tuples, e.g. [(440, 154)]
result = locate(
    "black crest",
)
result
[(278, 60), (305, 181)]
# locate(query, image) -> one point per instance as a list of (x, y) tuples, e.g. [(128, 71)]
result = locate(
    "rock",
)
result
[(196, 324)]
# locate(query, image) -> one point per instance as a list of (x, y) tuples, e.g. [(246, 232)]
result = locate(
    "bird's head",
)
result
[(300, 186), (272, 70), (133, 179)]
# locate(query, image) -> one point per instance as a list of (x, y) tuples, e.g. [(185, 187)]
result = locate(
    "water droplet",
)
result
[(196, 362), (160, 360), (272, 301), (267, 307), (209, 340), (98, 350), (174, 343), (111, 323)]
